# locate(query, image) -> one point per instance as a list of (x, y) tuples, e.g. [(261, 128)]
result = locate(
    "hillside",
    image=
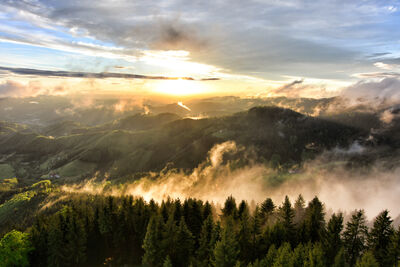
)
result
[(142, 143)]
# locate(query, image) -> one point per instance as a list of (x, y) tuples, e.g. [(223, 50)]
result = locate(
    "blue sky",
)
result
[(328, 42)]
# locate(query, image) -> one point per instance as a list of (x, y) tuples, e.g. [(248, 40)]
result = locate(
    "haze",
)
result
[(199, 133)]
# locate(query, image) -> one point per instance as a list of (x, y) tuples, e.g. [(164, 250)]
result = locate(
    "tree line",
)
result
[(96, 230)]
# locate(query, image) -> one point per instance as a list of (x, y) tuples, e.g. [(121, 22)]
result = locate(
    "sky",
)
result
[(246, 48)]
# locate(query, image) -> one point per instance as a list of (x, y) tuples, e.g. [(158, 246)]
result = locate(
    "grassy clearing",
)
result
[(76, 168), (6, 171)]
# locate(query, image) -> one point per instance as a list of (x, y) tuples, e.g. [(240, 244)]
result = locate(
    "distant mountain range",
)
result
[(65, 145)]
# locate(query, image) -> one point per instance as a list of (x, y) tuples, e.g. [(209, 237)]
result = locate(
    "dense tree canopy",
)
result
[(96, 230)]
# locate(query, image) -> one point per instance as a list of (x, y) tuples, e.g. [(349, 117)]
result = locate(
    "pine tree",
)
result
[(271, 255), (195, 219), (244, 238), (106, 223), (355, 236), (39, 238), (124, 238), (206, 242), (367, 260), (177, 210), (152, 243), (75, 239), (332, 241), (61, 238), (255, 231), (243, 209), (394, 249), (380, 237), (141, 215), (95, 240), (56, 249), (302, 232), (226, 250), (153, 207), (207, 210), (230, 208), (267, 208), (340, 259), (283, 256), (184, 245), (286, 215), (169, 241), (315, 222), (298, 257), (275, 234), (164, 211), (315, 257), (299, 209)]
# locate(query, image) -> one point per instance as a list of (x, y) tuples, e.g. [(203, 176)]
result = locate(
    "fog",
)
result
[(216, 178)]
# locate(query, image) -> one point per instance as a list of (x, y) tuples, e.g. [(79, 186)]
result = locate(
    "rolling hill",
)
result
[(142, 143)]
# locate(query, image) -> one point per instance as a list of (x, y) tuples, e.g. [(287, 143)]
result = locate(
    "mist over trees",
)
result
[(95, 230), (55, 223)]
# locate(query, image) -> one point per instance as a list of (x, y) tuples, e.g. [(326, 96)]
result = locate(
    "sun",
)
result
[(180, 87)]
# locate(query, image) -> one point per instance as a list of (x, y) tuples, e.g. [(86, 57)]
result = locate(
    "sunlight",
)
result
[(180, 87), (178, 63)]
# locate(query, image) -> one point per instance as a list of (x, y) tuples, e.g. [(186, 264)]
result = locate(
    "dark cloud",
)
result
[(210, 79), (290, 85), (175, 36), (381, 54), (102, 75), (289, 88), (391, 74)]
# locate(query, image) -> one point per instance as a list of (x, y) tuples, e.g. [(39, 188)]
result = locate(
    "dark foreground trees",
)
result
[(116, 231)]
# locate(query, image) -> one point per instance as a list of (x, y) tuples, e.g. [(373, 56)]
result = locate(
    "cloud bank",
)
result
[(14, 89), (215, 179)]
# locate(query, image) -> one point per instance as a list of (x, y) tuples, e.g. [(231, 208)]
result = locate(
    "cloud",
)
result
[(288, 87), (265, 38), (384, 66), (210, 79), (298, 88), (377, 75), (14, 89), (71, 74), (10, 88), (217, 178), (374, 93), (379, 54), (392, 60), (387, 116), (178, 36), (390, 114)]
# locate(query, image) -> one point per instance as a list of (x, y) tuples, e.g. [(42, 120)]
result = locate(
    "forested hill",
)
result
[(142, 143), (43, 224), (124, 231)]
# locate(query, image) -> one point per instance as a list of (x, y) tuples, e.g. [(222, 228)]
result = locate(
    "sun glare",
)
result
[(180, 87)]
